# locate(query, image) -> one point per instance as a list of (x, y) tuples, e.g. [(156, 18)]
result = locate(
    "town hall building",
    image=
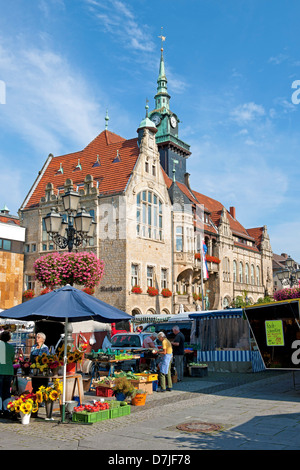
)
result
[(149, 223)]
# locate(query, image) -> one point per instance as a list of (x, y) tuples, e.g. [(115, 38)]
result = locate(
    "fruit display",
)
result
[(96, 406)]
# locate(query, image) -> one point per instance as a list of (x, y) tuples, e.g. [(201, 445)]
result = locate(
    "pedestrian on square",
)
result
[(165, 364), (7, 355), (178, 351)]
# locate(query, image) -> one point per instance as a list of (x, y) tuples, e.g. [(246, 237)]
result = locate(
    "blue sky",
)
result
[(230, 66)]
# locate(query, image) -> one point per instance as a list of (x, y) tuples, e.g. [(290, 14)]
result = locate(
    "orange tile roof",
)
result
[(112, 177), (6, 219)]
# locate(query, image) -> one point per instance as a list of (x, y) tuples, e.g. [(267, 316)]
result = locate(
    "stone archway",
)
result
[(136, 311)]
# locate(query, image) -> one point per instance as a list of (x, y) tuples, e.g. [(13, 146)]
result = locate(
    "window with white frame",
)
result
[(179, 239), (241, 272), (29, 281), (150, 276), (257, 275), (247, 273), (252, 275), (226, 269), (149, 215), (134, 275), (164, 278), (234, 271)]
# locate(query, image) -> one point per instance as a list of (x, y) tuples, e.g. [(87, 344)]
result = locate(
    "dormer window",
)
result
[(117, 158)]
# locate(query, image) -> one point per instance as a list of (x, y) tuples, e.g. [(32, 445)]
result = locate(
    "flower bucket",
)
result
[(120, 396), (139, 399), (49, 409), (71, 368), (25, 417)]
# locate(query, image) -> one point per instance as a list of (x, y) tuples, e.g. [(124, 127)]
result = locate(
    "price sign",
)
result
[(274, 333)]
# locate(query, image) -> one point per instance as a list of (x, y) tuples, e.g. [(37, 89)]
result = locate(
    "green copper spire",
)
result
[(106, 120), (162, 97)]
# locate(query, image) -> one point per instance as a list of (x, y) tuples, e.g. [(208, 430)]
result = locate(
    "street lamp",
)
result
[(78, 227), (290, 274)]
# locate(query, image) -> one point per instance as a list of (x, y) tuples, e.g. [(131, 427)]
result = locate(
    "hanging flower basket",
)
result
[(28, 294), (152, 291), (59, 269), (166, 293), (136, 290)]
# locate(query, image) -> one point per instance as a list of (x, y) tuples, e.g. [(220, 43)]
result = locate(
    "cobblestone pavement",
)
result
[(230, 400)]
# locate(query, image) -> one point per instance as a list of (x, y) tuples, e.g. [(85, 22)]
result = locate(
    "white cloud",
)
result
[(247, 112), (47, 102), (118, 19)]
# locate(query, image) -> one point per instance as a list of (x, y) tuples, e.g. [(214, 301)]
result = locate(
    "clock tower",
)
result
[(172, 150)]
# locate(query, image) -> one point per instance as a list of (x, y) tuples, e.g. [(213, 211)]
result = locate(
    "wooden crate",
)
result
[(143, 385)]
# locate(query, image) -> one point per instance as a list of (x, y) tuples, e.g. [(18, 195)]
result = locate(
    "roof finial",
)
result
[(147, 107), (106, 120), (163, 38)]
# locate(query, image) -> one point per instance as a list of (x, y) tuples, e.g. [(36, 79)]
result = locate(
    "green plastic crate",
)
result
[(90, 417), (119, 411)]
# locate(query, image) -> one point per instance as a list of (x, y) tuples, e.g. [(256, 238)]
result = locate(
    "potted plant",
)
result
[(166, 292), (152, 291), (123, 388), (136, 290)]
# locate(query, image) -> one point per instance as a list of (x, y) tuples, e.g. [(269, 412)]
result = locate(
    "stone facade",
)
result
[(150, 223), (12, 238)]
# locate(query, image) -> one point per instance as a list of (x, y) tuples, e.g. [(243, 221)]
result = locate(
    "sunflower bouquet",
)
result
[(72, 356), (51, 393), (26, 403)]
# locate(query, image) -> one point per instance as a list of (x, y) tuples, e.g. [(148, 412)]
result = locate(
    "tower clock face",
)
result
[(173, 121), (156, 119)]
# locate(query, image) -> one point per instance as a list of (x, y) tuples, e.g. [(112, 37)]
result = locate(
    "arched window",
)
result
[(241, 272), (257, 275), (252, 275), (234, 271), (247, 273), (149, 215), (226, 269)]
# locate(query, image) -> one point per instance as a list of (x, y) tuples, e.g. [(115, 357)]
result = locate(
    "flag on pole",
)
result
[(203, 261)]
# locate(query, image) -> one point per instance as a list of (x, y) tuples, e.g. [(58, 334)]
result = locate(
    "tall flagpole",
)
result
[(202, 285)]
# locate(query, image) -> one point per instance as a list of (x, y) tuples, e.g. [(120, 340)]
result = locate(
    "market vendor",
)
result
[(149, 343), (39, 348), (165, 364)]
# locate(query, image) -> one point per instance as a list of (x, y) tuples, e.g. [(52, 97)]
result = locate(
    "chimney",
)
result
[(232, 212)]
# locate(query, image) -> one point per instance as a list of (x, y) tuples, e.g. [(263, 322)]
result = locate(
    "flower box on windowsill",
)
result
[(166, 293), (152, 291), (136, 290)]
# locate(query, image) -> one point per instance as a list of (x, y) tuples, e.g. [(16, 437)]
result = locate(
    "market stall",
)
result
[(224, 341)]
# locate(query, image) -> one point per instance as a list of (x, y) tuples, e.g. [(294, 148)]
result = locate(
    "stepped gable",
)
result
[(109, 158)]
